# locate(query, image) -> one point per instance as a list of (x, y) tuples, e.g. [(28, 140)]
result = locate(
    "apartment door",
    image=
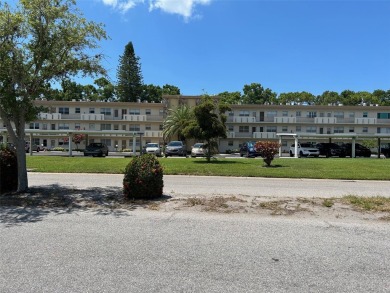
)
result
[(261, 116)]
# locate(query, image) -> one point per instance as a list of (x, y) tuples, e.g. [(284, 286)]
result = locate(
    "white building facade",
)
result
[(122, 125)]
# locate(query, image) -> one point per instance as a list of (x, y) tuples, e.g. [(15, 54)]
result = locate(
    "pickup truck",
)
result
[(304, 150)]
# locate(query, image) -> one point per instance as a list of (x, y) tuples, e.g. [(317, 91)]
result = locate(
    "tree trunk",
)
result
[(22, 166)]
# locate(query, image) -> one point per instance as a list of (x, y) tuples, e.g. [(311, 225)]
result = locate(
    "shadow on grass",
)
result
[(39, 202), (217, 162)]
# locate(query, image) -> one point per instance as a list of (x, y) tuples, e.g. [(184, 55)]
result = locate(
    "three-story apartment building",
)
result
[(122, 125)]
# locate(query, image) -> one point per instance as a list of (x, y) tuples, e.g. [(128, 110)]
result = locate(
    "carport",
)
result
[(352, 136), (68, 133)]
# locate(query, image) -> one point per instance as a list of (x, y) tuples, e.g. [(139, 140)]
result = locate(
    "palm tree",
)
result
[(176, 121)]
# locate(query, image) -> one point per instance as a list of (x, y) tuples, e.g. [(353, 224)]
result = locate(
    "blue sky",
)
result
[(211, 46)]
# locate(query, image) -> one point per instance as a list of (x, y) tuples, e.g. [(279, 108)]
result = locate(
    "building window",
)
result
[(351, 129), (91, 126), (231, 127), (148, 111), (298, 129), (44, 126), (311, 114), (53, 127), (91, 110), (311, 129), (105, 126), (338, 129), (148, 127), (298, 114), (134, 112), (63, 110), (338, 114), (230, 143), (105, 111), (116, 113), (383, 115), (107, 142), (285, 113), (77, 110), (243, 128), (244, 113), (365, 129), (161, 112), (62, 126), (116, 126), (365, 114), (34, 125), (231, 114), (271, 128), (160, 127), (123, 127), (135, 127), (351, 114), (284, 128), (77, 126), (271, 114)]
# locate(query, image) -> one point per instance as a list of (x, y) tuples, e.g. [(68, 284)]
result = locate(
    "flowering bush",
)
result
[(268, 150), (143, 178), (9, 170)]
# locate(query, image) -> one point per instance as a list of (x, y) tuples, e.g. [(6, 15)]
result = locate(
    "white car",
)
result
[(152, 148), (304, 150), (198, 150)]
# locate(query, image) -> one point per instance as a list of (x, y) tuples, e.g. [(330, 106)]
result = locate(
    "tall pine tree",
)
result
[(130, 83)]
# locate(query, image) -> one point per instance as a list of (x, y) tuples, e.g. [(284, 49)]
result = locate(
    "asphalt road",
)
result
[(213, 185), (151, 251), (55, 250)]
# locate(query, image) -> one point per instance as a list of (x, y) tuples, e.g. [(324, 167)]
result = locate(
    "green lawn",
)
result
[(331, 168)]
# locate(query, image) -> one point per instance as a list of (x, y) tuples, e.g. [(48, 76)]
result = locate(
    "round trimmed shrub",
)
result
[(9, 170), (143, 178)]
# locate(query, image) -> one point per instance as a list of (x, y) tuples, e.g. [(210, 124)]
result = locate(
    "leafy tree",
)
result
[(230, 98), (256, 94), (382, 96), (348, 97), (296, 97), (170, 90), (105, 90), (268, 150), (328, 97), (130, 81), (176, 121), (208, 124), (151, 93), (41, 41)]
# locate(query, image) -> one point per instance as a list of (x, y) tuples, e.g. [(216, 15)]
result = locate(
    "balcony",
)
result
[(325, 120), (153, 133), (135, 118), (47, 116), (92, 116), (264, 135), (285, 119), (365, 120)]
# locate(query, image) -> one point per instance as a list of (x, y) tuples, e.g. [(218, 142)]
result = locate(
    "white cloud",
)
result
[(184, 8), (122, 5)]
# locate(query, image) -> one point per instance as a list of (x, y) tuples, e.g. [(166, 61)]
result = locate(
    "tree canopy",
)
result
[(41, 42), (129, 75)]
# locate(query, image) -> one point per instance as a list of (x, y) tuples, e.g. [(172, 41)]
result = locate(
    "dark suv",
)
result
[(96, 149), (248, 150), (330, 150), (360, 150)]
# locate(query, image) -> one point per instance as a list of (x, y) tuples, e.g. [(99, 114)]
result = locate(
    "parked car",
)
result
[(198, 150), (35, 147), (304, 150), (360, 150), (330, 150), (96, 149), (248, 150), (386, 152), (175, 148), (152, 148)]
